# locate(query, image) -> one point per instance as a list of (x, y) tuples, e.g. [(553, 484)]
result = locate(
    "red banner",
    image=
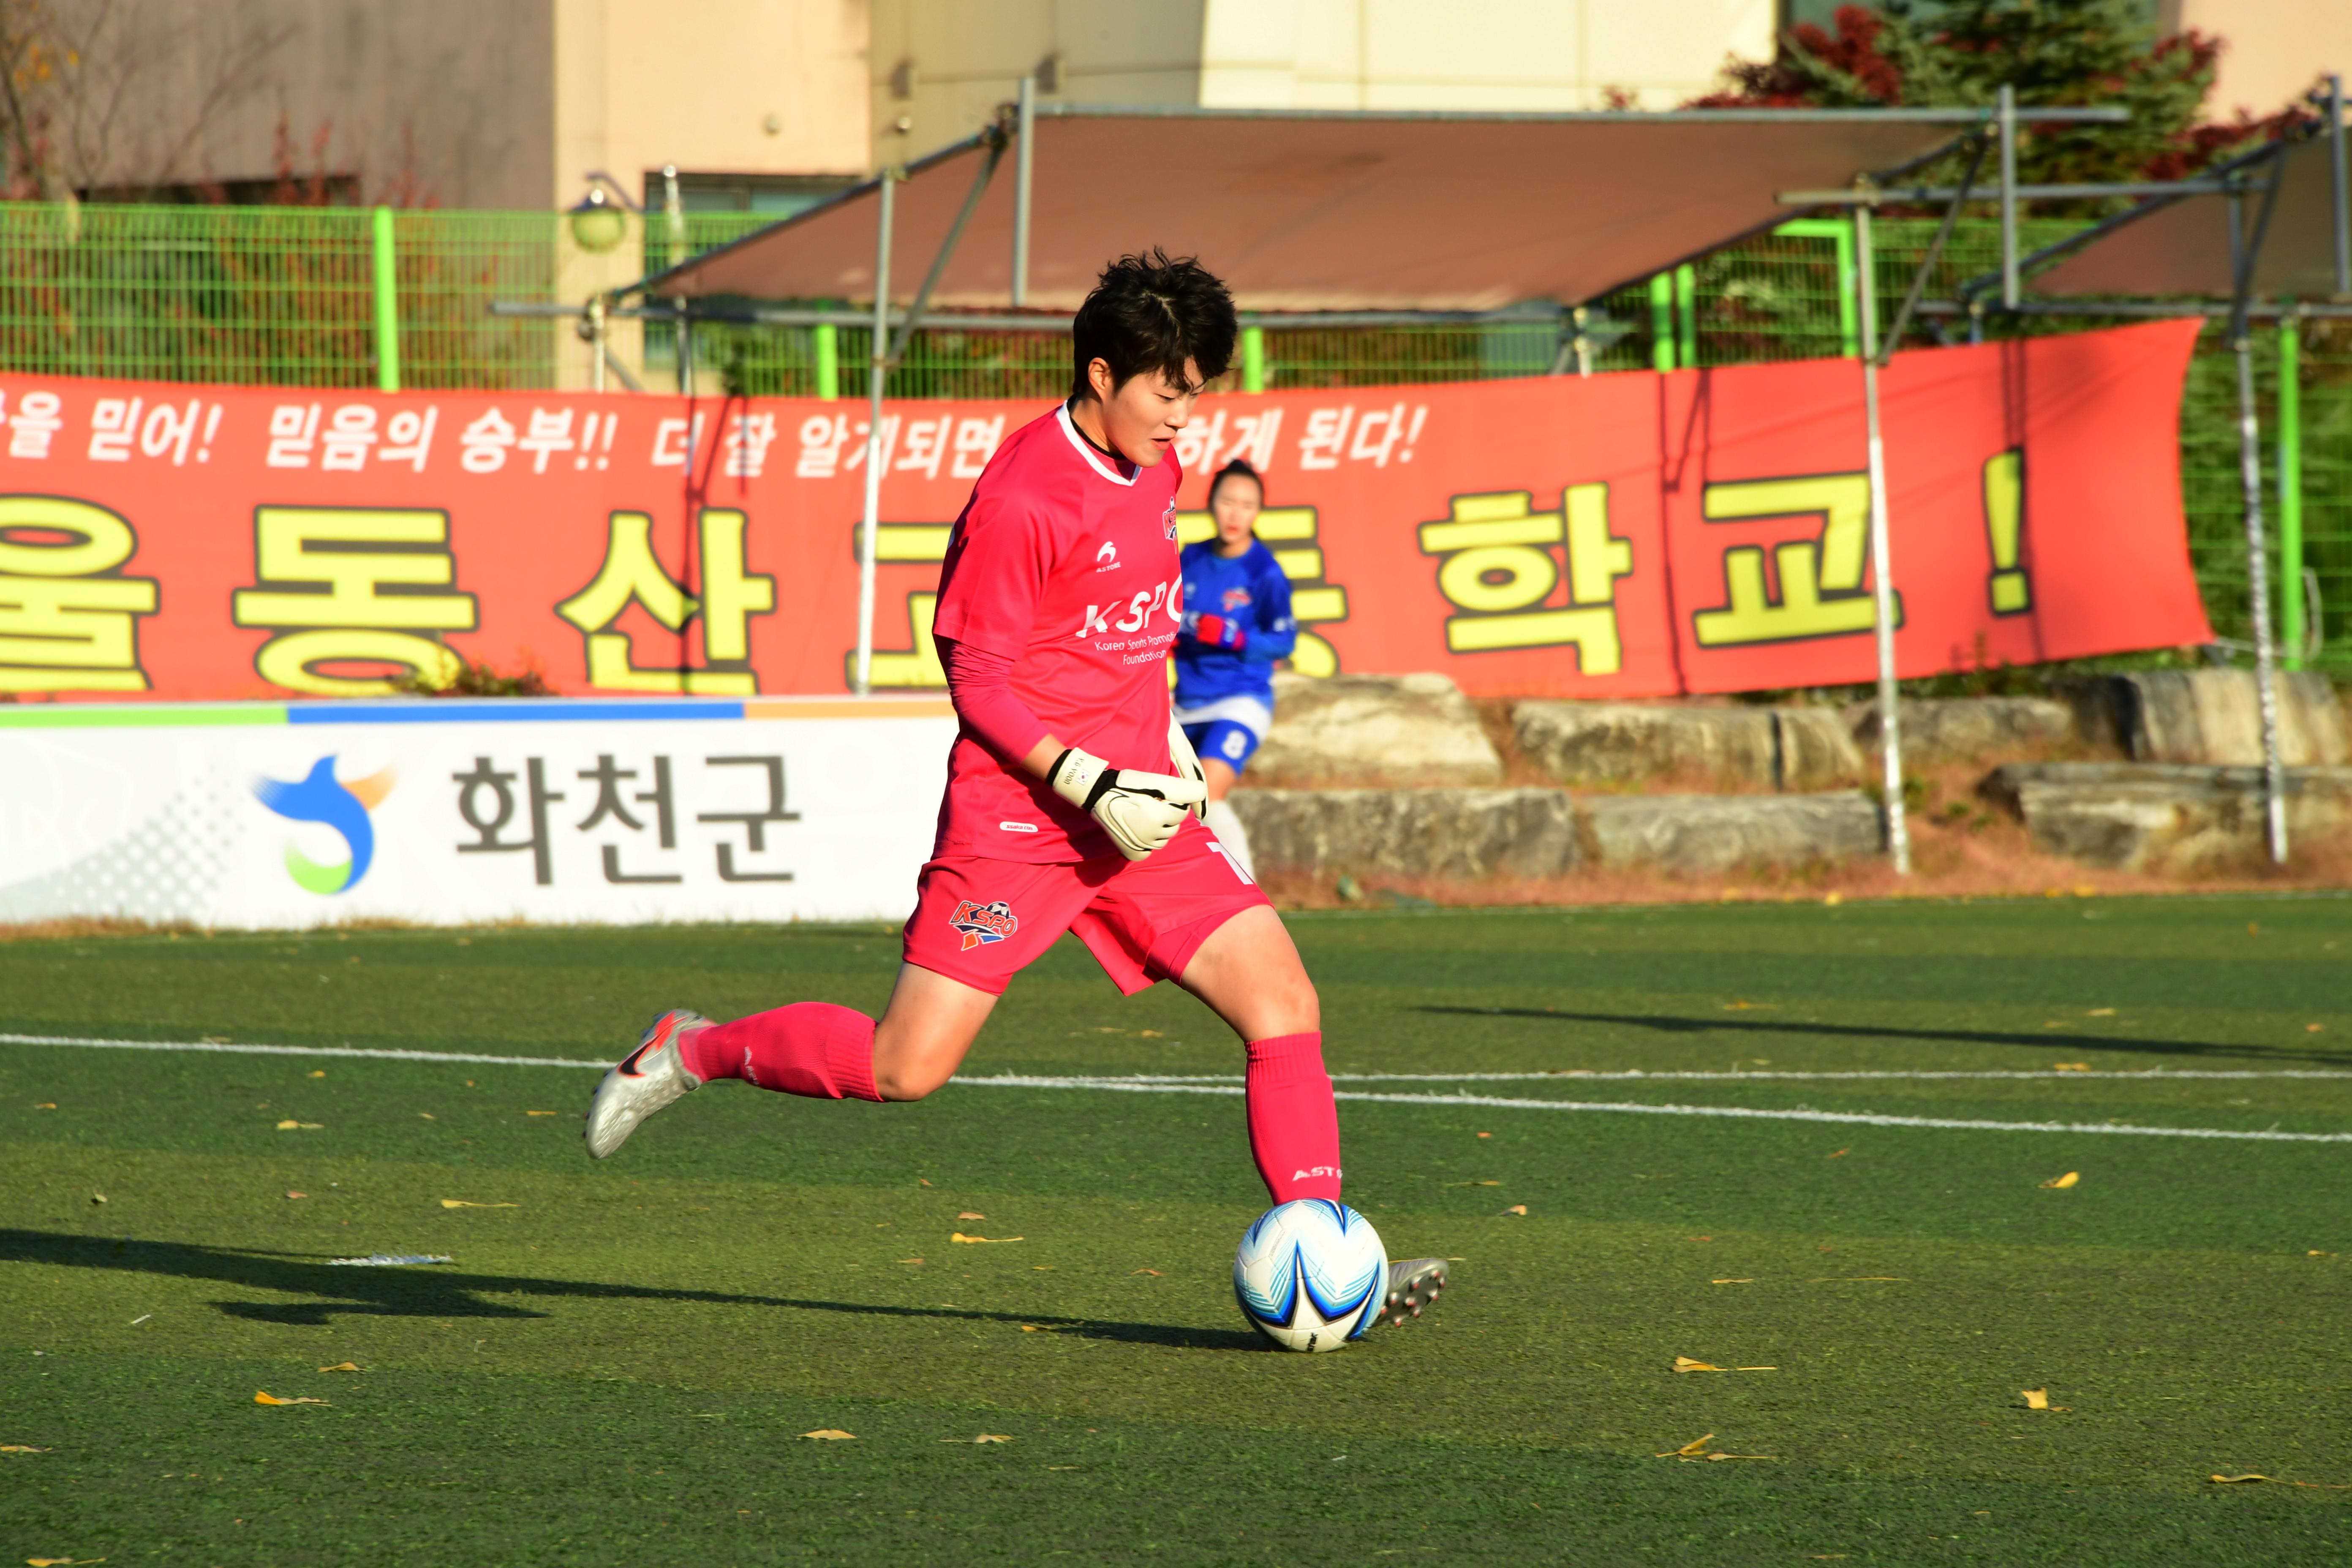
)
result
[(1625, 535)]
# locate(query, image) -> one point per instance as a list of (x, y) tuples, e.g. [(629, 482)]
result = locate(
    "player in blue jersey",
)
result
[(1236, 625)]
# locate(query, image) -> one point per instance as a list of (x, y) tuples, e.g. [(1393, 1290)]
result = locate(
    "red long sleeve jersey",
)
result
[(1068, 568)]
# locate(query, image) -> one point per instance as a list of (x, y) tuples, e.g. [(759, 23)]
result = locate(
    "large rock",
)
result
[(2213, 715), (1971, 729), (1704, 833), (1372, 729), (1587, 744), (2157, 816), (1454, 833)]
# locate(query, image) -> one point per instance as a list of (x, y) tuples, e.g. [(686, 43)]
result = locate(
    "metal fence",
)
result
[(296, 296)]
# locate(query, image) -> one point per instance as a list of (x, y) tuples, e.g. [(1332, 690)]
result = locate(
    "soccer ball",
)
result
[(1311, 1274)]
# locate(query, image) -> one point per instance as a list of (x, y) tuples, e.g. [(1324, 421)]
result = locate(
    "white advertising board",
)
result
[(272, 816)]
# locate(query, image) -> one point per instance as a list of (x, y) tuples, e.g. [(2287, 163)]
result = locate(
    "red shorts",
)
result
[(979, 920)]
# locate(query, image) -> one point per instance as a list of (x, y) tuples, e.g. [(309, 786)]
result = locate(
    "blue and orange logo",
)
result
[(983, 924), (322, 798)]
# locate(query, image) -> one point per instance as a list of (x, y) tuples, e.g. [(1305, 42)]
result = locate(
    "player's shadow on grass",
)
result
[(1665, 1023), (434, 1290)]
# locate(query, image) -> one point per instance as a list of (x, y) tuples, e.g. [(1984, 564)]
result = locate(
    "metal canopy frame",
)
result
[(2260, 172)]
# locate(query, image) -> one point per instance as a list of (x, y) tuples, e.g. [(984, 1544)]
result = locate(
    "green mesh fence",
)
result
[(284, 296)]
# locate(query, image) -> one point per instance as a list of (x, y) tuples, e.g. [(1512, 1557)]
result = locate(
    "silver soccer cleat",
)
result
[(1414, 1284), (646, 1079)]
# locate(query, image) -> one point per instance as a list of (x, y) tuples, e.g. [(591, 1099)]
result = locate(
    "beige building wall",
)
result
[(2277, 47), (1531, 54), (722, 86)]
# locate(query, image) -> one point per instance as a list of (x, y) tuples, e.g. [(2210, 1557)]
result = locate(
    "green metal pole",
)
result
[(1687, 313), (1840, 234), (1253, 359), (1662, 321), (828, 361), (387, 305), (2290, 490)]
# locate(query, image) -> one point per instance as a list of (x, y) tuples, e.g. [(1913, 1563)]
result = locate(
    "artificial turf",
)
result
[(616, 1368)]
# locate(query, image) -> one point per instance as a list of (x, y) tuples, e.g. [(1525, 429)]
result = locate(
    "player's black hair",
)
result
[(1151, 312), (1238, 469)]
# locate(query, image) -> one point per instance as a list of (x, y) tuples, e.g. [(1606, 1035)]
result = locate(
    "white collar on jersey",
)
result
[(1087, 449)]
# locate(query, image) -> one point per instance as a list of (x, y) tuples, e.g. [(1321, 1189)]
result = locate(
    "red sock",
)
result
[(1293, 1124), (812, 1048)]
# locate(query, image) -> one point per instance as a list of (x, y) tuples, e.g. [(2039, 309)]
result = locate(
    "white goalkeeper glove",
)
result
[(1140, 811), (1188, 765)]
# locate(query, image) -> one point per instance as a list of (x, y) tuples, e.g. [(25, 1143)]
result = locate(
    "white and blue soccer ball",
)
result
[(1311, 1274)]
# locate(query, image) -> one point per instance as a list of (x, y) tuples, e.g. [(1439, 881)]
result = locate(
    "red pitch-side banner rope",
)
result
[(1628, 535)]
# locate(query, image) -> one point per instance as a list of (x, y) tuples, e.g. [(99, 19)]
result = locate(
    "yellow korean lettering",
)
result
[(1312, 599), (68, 621), (632, 573), (2004, 503), (314, 545), (1498, 568), (1821, 579), (916, 667)]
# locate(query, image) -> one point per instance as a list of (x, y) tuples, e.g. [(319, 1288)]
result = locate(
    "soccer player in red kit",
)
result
[(1071, 798)]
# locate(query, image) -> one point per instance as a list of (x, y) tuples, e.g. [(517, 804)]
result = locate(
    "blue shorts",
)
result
[(1223, 741)]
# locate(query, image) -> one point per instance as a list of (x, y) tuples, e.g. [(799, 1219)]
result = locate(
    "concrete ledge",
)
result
[(1373, 730), (1463, 833), (1468, 834), (2157, 816), (2210, 716), (1716, 833), (1630, 742), (1964, 729)]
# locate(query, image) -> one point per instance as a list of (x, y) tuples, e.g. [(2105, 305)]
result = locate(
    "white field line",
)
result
[(1860, 1119), (1146, 1084), (227, 1049)]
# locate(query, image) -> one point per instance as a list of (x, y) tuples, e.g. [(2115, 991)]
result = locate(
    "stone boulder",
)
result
[(1372, 730), (2165, 817), (1706, 833), (1969, 729), (1587, 744), (2211, 716), (1455, 833)]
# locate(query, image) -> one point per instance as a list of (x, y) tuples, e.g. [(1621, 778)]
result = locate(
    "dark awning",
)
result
[(2184, 248), (1321, 211)]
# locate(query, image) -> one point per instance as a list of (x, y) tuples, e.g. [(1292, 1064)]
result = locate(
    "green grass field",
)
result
[(619, 1362)]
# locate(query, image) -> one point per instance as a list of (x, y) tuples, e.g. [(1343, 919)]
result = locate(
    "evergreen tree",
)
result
[(1960, 52)]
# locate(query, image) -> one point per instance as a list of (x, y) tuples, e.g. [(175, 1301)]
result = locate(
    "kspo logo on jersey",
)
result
[(1168, 519), (1138, 610), (982, 924), (1237, 599)]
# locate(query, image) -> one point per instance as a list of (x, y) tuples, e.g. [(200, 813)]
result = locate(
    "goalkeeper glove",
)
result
[(1216, 631), (1188, 765), (1140, 811)]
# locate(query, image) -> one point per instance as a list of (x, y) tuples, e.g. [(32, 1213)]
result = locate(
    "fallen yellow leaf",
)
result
[(52, 1105), (1150, 1035), (977, 1240), (341, 1366), (910, 1260), (1153, 1272), (983, 1437), (462, 1203), (291, 1193), (1834, 899), (2315, 1486), (2039, 1399), (317, 1072), (1685, 1364), (831, 1435), (1746, 1281), (428, 1116), (1837, 1154), (2100, 1012), (19, 1448), (2070, 1066), (969, 1214), (1519, 1209), (2232, 1480), (2307, 1028), (543, 1113), (273, 1399), (288, 1125), (2068, 1179), (1696, 1445)]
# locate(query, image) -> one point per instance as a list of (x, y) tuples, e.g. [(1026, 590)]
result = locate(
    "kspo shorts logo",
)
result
[(983, 924)]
